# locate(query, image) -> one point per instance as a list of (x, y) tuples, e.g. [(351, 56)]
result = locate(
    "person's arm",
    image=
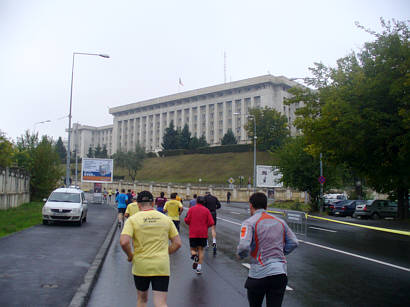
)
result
[(125, 242), (165, 208), (175, 244), (245, 240), (187, 219), (218, 204), (180, 209), (291, 242)]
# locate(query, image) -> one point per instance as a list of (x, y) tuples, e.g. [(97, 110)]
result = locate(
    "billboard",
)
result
[(97, 170), (268, 177)]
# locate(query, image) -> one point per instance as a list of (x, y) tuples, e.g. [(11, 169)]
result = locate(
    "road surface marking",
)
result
[(322, 229), (248, 266), (229, 221), (235, 212), (343, 252), (358, 256)]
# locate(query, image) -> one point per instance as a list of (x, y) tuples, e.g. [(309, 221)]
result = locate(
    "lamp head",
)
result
[(104, 56)]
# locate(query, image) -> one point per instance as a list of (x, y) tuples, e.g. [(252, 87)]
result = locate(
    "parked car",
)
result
[(344, 207), (65, 205), (330, 199), (376, 209)]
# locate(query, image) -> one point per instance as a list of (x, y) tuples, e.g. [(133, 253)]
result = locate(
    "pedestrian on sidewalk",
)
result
[(228, 197), (150, 232), (160, 202), (174, 208), (212, 203), (199, 220), (267, 239)]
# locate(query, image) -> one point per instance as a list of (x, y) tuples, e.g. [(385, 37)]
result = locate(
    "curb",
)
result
[(83, 293)]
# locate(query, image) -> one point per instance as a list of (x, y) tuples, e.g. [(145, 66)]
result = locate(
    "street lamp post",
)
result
[(254, 146), (42, 122), (67, 179)]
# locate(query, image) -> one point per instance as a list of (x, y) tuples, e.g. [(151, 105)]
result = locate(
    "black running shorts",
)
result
[(196, 242), (159, 283), (122, 210)]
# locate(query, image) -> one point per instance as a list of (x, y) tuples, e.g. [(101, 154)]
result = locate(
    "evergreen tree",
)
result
[(104, 152), (61, 150), (185, 137), (90, 152), (229, 138), (170, 138), (202, 142), (98, 151)]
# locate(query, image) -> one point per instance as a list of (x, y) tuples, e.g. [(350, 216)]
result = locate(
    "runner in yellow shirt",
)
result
[(150, 232), (174, 209), (132, 208)]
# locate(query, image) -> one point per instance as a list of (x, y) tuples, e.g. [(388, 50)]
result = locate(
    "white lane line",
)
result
[(343, 252), (235, 212), (229, 221), (357, 256), (248, 266), (322, 229)]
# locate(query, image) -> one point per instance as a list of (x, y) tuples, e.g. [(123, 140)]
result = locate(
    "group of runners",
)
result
[(153, 222)]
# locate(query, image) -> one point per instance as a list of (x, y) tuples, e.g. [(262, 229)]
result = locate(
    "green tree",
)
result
[(360, 112), (271, 128), (6, 151), (202, 142), (60, 148), (131, 160), (185, 137), (98, 151), (90, 153), (229, 138), (104, 152), (42, 161), (170, 138)]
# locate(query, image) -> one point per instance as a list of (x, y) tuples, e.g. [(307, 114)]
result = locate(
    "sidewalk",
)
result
[(221, 283)]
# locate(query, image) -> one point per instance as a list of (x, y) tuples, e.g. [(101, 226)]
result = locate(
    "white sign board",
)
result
[(268, 177), (97, 170)]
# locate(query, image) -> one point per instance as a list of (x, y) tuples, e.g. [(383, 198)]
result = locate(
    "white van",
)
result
[(332, 198), (65, 205)]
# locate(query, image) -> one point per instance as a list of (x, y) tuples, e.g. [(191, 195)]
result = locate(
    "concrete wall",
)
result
[(186, 191), (14, 188)]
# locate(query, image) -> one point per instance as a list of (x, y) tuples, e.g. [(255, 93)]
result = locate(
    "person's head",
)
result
[(257, 201), (200, 200), (129, 190), (207, 193), (145, 200), (134, 199), (162, 194), (174, 195), (195, 196), (122, 190)]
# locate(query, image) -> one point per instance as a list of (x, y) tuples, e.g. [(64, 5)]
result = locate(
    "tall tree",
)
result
[(202, 142), (6, 151), (60, 149), (271, 128), (90, 153), (185, 137), (131, 160), (170, 138), (104, 152), (360, 112), (98, 151), (229, 138)]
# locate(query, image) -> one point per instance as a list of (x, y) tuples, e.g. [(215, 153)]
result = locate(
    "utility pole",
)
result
[(321, 185)]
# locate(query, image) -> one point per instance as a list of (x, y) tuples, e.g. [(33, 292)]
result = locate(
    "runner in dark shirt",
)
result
[(212, 203), (160, 202)]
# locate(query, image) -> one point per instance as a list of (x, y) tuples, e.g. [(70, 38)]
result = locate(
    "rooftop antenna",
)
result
[(224, 67)]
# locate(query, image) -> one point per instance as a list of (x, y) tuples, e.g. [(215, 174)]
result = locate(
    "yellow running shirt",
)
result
[(150, 231), (132, 208), (172, 206)]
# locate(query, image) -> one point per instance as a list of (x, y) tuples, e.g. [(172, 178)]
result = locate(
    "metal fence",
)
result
[(297, 221)]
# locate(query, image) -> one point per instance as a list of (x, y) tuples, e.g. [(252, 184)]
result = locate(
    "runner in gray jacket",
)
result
[(267, 239)]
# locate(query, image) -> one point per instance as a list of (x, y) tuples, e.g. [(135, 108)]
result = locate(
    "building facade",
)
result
[(208, 111)]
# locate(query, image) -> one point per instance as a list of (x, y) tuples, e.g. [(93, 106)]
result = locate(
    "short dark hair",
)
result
[(259, 200), (195, 196), (201, 200), (122, 190), (129, 190), (174, 195), (162, 194), (145, 197)]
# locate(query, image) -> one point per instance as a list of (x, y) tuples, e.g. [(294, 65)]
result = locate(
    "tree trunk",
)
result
[(403, 203)]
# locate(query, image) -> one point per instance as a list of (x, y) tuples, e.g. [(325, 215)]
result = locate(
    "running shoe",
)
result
[(198, 271), (196, 259), (214, 247)]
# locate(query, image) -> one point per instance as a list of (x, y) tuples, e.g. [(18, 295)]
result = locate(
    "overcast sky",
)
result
[(154, 43)]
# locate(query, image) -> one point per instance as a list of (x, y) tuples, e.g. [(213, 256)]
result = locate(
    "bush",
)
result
[(207, 150)]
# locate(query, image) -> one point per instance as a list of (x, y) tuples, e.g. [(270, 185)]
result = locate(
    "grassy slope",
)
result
[(16, 219), (212, 168)]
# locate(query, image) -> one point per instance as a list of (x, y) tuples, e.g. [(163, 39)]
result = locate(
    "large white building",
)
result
[(208, 111)]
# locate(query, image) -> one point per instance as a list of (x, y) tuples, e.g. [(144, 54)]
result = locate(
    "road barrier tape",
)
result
[(400, 232)]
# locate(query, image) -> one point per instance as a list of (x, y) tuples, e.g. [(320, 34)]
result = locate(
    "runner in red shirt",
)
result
[(199, 219)]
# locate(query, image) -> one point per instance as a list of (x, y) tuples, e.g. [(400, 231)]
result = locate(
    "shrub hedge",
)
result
[(207, 150)]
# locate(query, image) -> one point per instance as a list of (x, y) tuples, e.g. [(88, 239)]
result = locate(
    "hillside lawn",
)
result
[(22, 217), (211, 168)]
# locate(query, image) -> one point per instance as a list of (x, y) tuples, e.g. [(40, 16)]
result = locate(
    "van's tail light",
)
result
[(364, 208), (332, 207), (343, 208)]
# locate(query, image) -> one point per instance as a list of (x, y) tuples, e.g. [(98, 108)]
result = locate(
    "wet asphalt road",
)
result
[(44, 265), (317, 275)]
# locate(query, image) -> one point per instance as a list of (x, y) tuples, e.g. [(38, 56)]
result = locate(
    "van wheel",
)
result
[(375, 216), (80, 222)]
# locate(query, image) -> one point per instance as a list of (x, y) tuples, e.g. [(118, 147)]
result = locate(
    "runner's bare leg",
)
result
[(142, 298), (160, 298)]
